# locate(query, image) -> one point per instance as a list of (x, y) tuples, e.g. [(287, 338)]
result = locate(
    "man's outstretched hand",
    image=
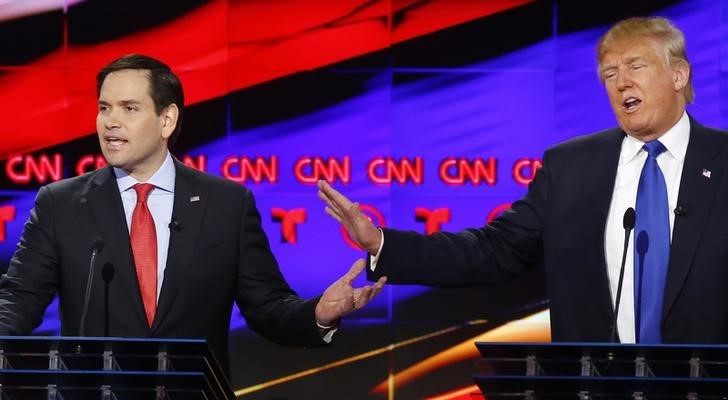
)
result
[(360, 228), (342, 298)]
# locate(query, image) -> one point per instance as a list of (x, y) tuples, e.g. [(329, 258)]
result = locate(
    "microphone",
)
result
[(174, 226), (97, 245), (680, 210), (107, 273), (628, 223)]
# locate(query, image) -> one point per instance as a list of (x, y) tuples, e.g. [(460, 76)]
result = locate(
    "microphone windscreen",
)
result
[(97, 245), (629, 218)]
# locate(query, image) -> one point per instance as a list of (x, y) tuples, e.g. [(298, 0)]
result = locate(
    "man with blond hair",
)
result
[(660, 162)]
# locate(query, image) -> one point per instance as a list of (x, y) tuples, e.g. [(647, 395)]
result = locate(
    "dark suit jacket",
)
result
[(560, 222), (220, 255)]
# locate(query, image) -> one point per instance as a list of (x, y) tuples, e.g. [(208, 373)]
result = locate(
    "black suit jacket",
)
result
[(219, 255), (560, 222)]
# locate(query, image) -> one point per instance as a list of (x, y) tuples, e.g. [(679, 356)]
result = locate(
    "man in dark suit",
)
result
[(178, 246), (571, 218)]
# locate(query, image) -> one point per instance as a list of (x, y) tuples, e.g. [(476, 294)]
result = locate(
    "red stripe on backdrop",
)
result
[(218, 48)]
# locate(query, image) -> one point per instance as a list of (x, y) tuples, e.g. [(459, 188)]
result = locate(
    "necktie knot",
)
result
[(143, 190), (654, 148)]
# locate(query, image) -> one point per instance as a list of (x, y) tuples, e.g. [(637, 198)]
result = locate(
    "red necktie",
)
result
[(144, 246)]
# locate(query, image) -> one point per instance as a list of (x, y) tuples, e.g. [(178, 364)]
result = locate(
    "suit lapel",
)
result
[(105, 204), (189, 204), (599, 178), (696, 194)]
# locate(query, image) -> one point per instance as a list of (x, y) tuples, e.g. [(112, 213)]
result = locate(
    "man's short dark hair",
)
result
[(165, 88)]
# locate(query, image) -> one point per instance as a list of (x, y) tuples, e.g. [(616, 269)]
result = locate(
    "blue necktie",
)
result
[(652, 247)]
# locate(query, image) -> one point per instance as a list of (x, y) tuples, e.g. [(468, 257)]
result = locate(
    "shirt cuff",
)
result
[(373, 260), (327, 332), (328, 336)]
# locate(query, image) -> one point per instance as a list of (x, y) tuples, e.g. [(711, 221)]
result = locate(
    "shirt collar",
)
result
[(675, 141), (162, 179)]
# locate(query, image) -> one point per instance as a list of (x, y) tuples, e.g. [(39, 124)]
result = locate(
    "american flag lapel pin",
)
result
[(706, 173), (194, 199)]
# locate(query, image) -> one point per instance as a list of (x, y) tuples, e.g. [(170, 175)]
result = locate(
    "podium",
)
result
[(70, 368), (602, 371)]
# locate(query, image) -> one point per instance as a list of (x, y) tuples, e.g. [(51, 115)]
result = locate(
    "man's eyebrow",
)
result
[(122, 102), (128, 102), (631, 60), (628, 61)]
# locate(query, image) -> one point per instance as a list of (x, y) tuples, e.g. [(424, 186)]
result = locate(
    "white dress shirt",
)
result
[(160, 203), (631, 160)]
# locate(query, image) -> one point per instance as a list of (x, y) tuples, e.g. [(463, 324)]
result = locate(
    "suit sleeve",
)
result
[(509, 246), (32, 278), (270, 306)]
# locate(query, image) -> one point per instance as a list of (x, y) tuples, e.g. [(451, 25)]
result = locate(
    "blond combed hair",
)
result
[(659, 28)]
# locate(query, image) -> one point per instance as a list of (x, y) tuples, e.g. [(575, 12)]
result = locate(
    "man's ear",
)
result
[(680, 75), (169, 120)]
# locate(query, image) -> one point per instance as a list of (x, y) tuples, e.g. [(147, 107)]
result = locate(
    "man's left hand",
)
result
[(342, 298)]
